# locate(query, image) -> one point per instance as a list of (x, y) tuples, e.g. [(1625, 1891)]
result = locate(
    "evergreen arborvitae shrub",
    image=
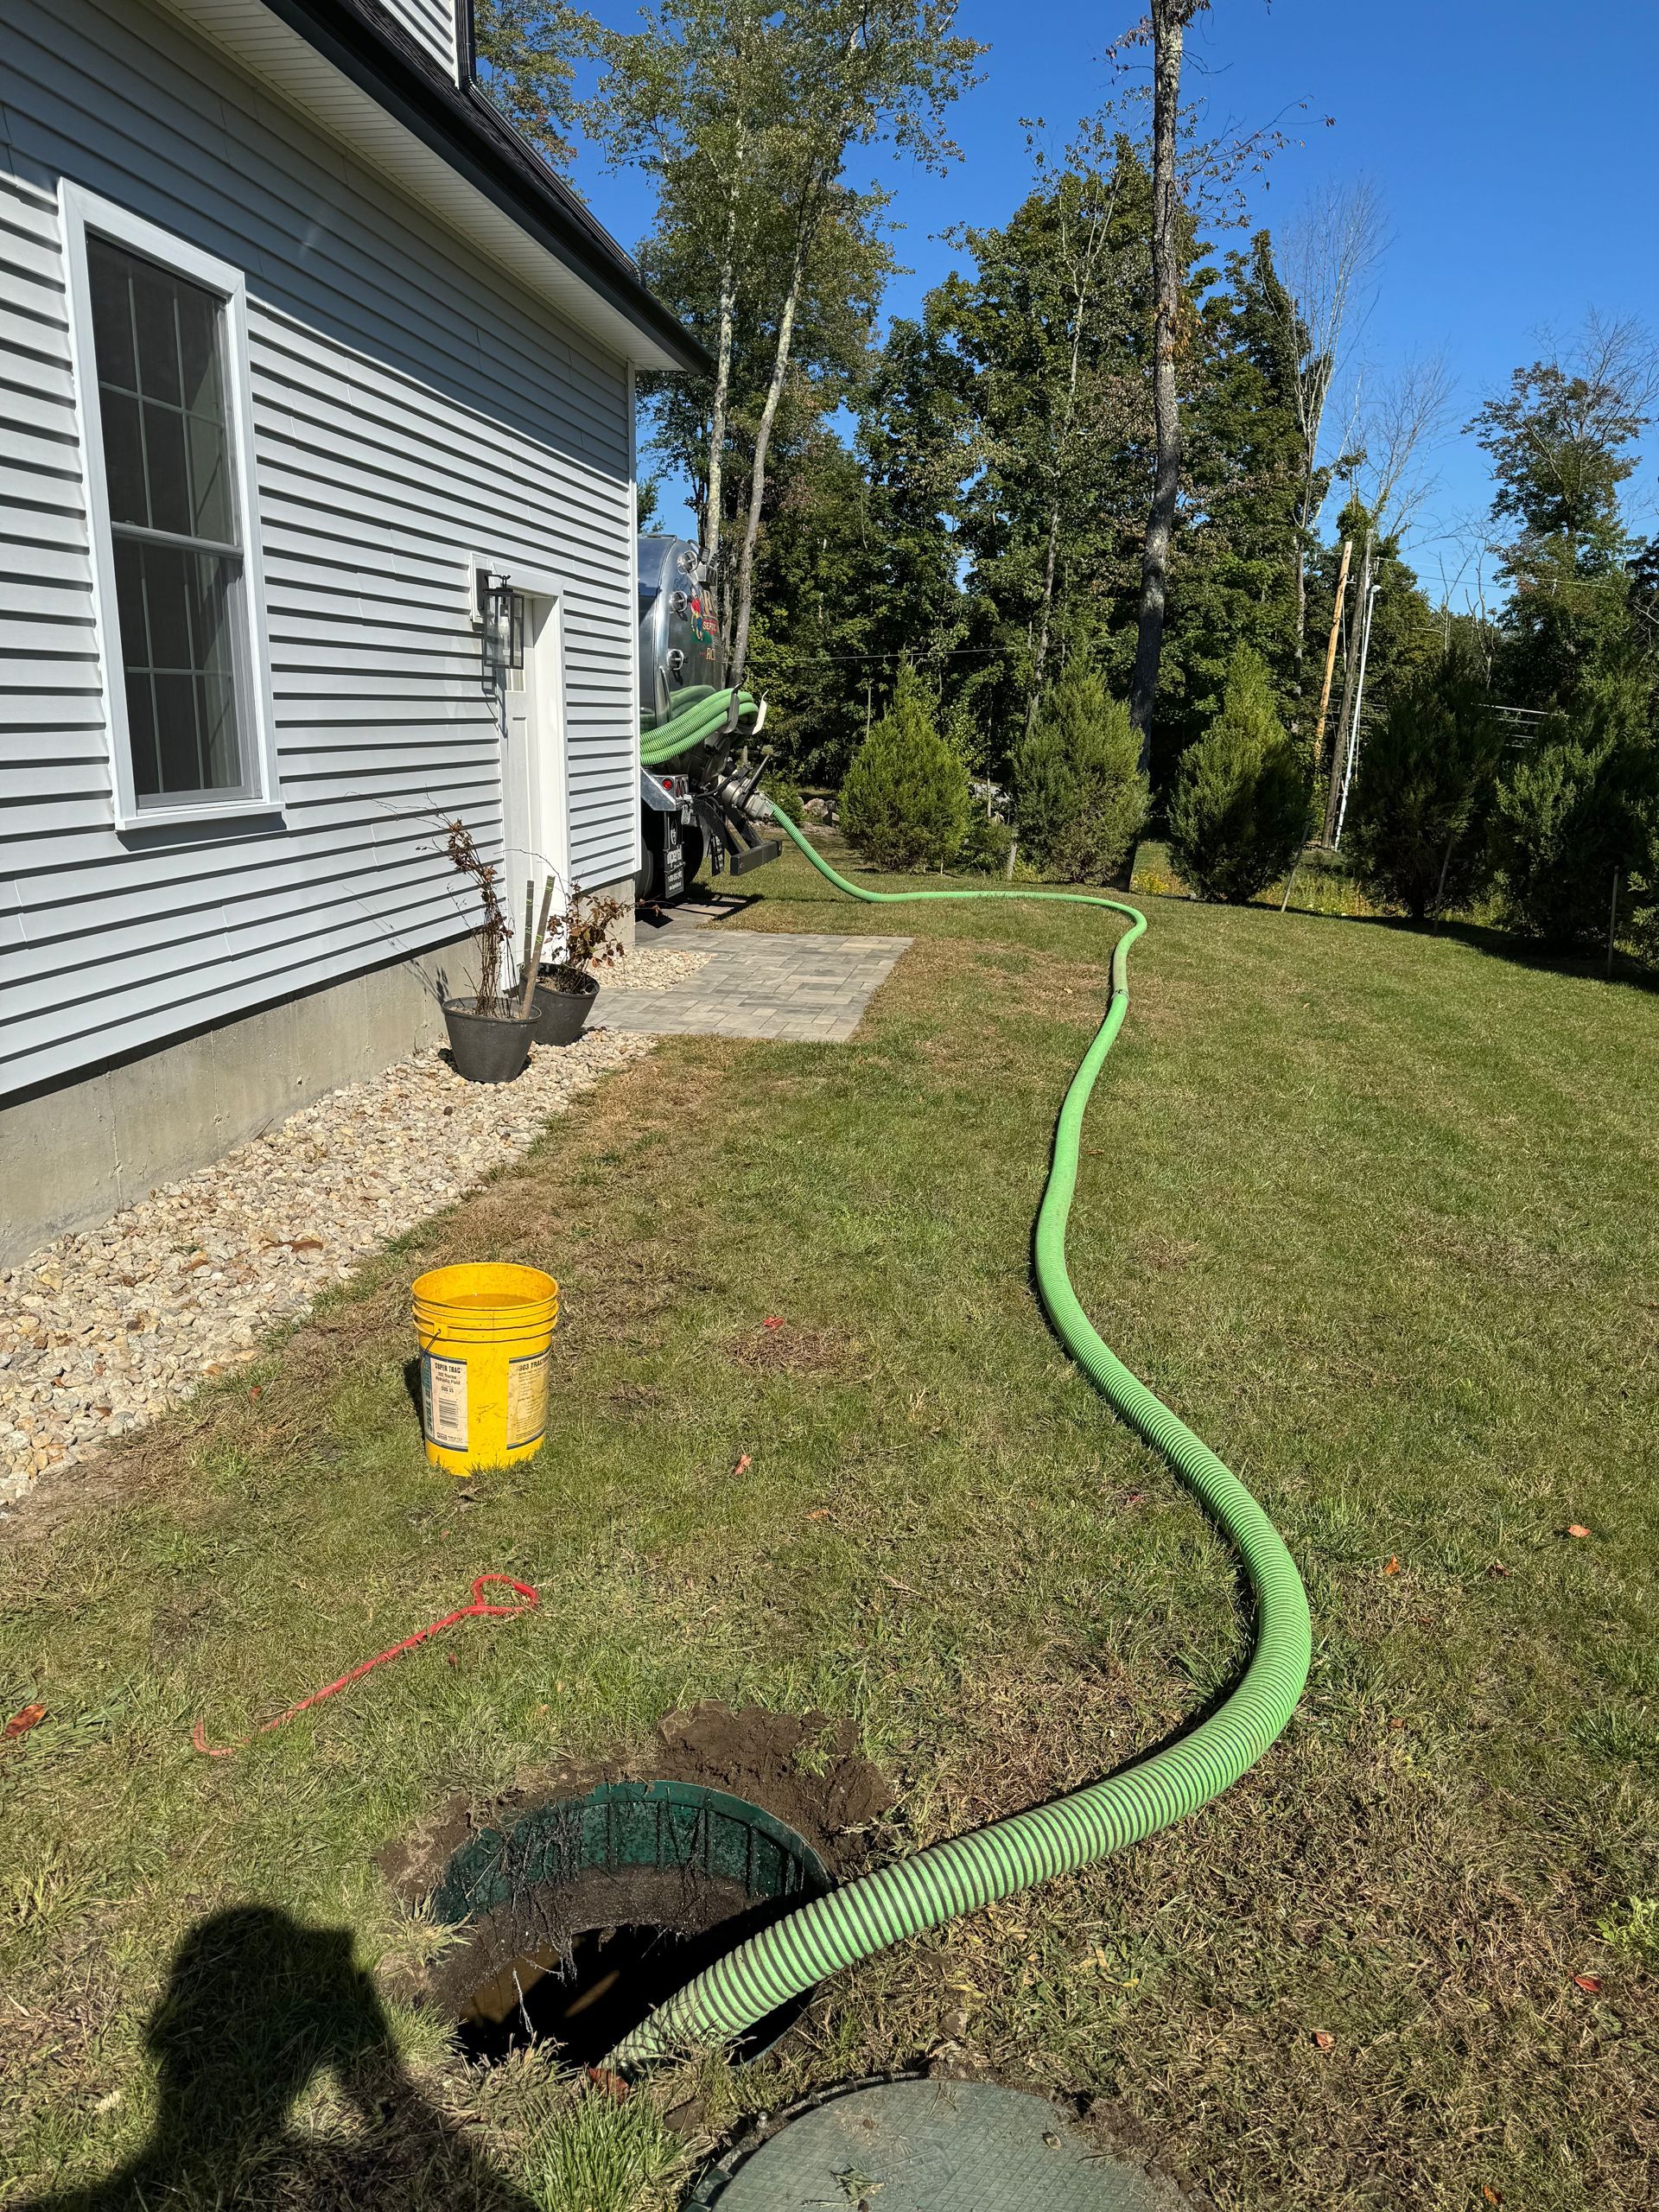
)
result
[(905, 801), (1080, 798), (1583, 804), (985, 843), (1423, 790), (1238, 812)]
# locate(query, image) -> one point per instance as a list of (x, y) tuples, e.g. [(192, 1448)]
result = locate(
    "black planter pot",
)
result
[(564, 999), (488, 1047)]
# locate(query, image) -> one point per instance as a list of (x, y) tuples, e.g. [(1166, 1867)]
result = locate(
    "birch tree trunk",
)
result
[(710, 550), (758, 474), (1052, 554), (1169, 20), (1040, 657)]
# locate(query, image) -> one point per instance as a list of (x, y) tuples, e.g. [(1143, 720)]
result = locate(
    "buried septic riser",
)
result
[(932, 2146), (590, 1911)]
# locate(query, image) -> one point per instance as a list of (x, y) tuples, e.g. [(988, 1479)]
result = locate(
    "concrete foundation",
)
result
[(622, 889), (76, 1152)]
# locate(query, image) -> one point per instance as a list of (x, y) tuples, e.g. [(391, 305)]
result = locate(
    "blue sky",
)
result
[(1511, 141)]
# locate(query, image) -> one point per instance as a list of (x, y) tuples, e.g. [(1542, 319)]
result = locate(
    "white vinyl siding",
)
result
[(431, 23), (408, 406)]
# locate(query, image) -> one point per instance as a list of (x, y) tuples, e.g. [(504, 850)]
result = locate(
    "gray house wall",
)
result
[(410, 407)]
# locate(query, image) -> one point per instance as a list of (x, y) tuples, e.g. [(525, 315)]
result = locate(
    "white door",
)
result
[(535, 801)]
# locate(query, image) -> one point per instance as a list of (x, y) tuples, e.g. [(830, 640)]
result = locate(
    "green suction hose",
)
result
[(972, 1870), (703, 719)]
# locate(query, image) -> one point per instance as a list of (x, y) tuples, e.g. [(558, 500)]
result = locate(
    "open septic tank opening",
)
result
[(587, 1912)]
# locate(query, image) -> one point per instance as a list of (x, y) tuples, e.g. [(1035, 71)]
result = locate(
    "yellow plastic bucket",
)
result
[(486, 1334)]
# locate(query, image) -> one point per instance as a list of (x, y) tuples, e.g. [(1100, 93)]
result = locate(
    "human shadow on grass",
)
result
[(257, 2007)]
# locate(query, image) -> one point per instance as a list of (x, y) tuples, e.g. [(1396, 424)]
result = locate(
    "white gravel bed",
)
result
[(104, 1329), (653, 968)]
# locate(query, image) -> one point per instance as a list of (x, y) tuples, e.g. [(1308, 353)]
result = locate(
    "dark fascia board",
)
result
[(459, 122)]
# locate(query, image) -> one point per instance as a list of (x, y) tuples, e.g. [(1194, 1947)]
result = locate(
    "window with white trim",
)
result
[(161, 376)]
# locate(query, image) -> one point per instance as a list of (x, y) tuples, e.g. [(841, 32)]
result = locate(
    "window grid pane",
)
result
[(181, 653), (158, 343)]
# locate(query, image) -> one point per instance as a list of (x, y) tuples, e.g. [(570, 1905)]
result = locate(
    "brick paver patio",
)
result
[(804, 989)]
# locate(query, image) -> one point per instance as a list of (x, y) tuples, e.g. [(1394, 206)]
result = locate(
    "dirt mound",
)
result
[(806, 1770), (759, 1756)]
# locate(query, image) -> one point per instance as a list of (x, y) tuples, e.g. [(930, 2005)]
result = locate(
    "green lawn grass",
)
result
[(1372, 1209)]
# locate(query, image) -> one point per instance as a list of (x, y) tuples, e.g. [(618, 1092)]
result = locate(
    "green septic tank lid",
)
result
[(932, 2146), (672, 1826)]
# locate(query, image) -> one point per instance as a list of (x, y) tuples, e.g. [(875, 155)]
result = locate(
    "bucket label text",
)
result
[(526, 1399), (443, 1398)]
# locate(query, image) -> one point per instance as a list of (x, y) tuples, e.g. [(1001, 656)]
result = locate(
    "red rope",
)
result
[(480, 1605)]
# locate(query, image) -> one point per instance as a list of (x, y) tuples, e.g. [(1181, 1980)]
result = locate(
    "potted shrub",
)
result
[(490, 1031), (567, 986)]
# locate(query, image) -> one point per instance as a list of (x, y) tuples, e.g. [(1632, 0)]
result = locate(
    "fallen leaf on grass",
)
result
[(1577, 1528), (819, 1513), (1491, 2196), (21, 1723), (1392, 1567), (773, 1321), (1589, 1982), (1323, 2039), (743, 1465)]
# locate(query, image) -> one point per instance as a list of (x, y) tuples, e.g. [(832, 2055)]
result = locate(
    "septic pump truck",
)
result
[(698, 796)]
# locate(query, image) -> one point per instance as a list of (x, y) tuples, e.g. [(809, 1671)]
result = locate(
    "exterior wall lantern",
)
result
[(501, 618)]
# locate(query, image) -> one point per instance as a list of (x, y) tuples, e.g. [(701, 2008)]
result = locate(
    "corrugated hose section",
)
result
[(969, 1872)]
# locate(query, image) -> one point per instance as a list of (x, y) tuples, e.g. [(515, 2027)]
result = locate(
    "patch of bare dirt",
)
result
[(806, 1769), (1167, 1252), (783, 1348)]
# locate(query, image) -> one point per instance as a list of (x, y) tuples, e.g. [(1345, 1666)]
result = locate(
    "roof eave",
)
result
[(459, 123)]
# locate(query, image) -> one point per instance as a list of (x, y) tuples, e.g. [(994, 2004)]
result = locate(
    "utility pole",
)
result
[(1353, 727), (1324, 702), (1331, 651)]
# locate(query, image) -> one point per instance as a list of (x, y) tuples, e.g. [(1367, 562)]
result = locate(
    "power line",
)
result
[(952, 652)]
